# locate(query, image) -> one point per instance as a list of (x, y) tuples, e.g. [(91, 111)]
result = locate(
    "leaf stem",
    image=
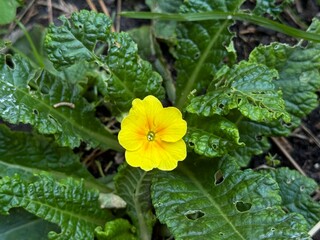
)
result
[(34, 49), (190, 84), (218, 15)]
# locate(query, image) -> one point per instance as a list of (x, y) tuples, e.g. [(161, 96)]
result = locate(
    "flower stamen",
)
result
[(151, 136)]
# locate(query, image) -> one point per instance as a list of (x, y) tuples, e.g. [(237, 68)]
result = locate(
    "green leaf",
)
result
[(8, 11), (118, 229), (205, 203), (133, 186), (127, 76), (67, 203), (249, 88), (23, 225), (211, 137), (295, 191), (299, 76), (29, 96), (201, 48)]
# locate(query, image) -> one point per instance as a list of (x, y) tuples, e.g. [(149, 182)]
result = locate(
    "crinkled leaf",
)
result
[(67, 203), (127, 76), (299, 75), (23, 225), (203, 203), (202, 46), (295, 191), (249, 88), (118, 229), (133, 186), (29, 96), (271, 7), (211, 137)]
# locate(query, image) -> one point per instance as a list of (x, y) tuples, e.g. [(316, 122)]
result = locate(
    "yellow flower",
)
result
[(152, 135)]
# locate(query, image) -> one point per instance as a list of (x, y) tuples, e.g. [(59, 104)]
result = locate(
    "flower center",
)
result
[(151, 136)]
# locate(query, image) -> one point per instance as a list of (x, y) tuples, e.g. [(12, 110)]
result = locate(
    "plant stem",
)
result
[(217, 15), (34, 50), (181, 100)]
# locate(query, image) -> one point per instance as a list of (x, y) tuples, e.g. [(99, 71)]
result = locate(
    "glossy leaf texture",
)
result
[(247, 87), (86, 36), (211, 136), (202, 47), (208, 202), (299, 76), (295, 191), (30, 96), (67, 203), (23, 225), (133, 186)]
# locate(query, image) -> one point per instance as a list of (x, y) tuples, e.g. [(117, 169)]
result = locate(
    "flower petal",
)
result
[(145, 157), (148, 108), (170, 154), (170, 125), (132, 133)]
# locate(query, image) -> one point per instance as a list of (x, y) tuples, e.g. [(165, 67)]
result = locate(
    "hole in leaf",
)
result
[(302, 188), (79, 25), (243, 207), (221, 105), (191, 144), (9, 62), (214, 146), (239, 100), (196, 56), (35, 112), (258, 138), (273, 229), (218, 177), (221, 233), (194, 214)]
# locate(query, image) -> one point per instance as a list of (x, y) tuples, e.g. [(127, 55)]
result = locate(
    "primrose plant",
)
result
[(186, 141)]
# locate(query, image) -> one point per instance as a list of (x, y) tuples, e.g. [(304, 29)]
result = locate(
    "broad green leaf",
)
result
[(23, 225), (30, 96), (67, 203), (211, 137), (118, 229), (204, 203), (133, 186), (127, 76), (299, 76), (202, 47), (271, 7), (295, 191), (247, 87), (8, 10)]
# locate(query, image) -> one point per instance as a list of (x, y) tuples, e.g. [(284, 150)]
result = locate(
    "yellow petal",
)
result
[(149, 108), (170, 126), (145, 157), (170, 154), (133, 132)]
